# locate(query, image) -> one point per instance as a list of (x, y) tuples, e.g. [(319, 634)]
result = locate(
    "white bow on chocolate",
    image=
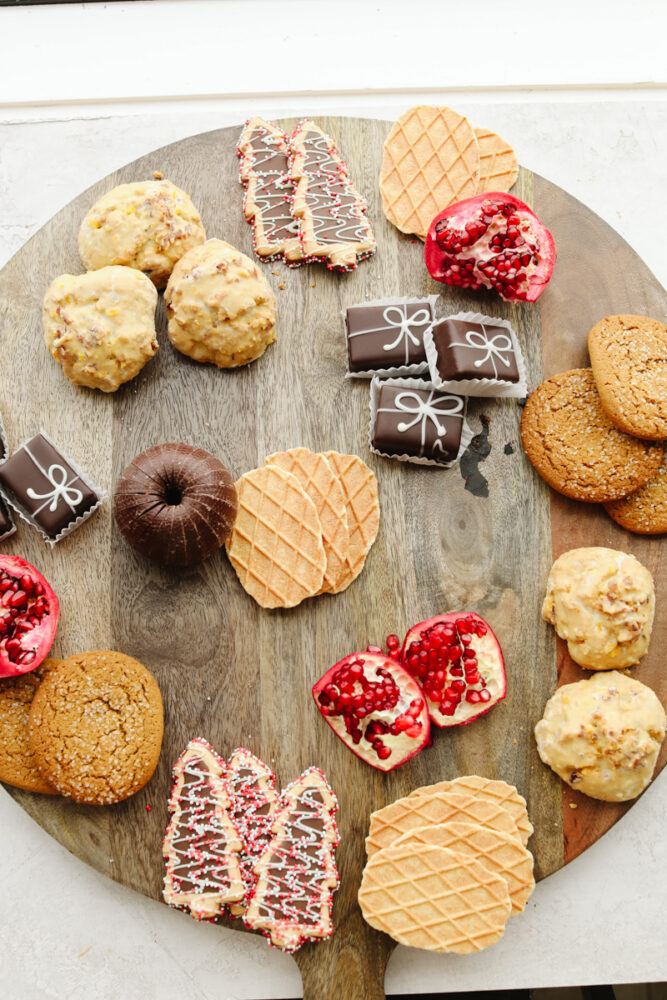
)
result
[(494, 348), (397, 316), (62, 489), (425, 410)]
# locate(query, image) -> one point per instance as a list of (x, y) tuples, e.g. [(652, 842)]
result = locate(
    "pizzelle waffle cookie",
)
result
[(324, 488), (407, 814), (495, 791), (305, 524), (498, 165), (447, 867), (363, 512), (276, 543), (430, 160), (430, 897), (498, 852)]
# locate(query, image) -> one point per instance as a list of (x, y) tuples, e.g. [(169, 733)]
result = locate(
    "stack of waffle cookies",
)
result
[(305, 524), (448, 865), (434, 157)]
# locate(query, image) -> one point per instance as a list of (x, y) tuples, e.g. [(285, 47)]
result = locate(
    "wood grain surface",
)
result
[(239, 675)]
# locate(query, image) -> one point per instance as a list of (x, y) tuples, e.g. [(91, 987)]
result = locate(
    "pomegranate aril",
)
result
[(13, 647)]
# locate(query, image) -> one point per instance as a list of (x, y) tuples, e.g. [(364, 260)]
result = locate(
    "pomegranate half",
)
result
[(28, 616), (375, 707), (491, 241), (458, 662)]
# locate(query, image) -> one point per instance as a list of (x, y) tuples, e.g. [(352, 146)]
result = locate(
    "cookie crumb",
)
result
[(312, 284), (281, 286), (82, 953), (574, 805), (275, 272), (158, 175)]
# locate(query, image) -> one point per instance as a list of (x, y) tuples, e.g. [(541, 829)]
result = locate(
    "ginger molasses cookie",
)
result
[(644, 512), (100, 326), (96, 727), (629, 362), (17, 763), (574, 445), (220, 306), (148, 225)]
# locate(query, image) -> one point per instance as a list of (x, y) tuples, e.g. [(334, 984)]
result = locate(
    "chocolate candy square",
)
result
[(6, 523), (382, 335), (467, 350), (45, 487), (421, 422)]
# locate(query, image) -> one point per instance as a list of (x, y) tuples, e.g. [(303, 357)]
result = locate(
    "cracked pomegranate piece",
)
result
[(28, 616), (458, 662), (491, 241), (375, 707)]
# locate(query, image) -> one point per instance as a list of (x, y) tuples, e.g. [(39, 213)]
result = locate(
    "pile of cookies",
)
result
[(305, 524), (88, 727), (434, 157), (595, 434), (602, 735), (138, 238), (234, 841), (299, 197), (448, 865)]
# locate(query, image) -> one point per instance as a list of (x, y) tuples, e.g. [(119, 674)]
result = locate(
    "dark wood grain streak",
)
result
[(601, 276), (239, 675)]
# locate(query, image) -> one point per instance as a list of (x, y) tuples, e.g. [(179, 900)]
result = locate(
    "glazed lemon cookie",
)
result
[(96, 727), (602, 736), (629, 362), (220, 306), (100, 326), (602, 602), (148, 225), (17, 763), (576, 448)]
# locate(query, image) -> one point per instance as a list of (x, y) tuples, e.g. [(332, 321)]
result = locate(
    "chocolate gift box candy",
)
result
[(47, 489), (386, 336), (476, 355), (413, 421), (6, 524)]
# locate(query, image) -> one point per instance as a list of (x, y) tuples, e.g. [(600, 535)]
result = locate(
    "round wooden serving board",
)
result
[(239, 675)]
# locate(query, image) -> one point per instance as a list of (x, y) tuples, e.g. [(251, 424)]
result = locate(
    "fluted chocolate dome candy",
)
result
[(175, 504)]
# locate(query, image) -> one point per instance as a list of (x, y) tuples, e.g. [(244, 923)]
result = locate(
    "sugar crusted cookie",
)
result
[(96, 727), (17, 763), (644, 512), (629, 362), (574, 446)]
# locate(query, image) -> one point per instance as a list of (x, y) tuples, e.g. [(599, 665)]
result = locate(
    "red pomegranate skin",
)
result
[(494, 241), (28, 616)]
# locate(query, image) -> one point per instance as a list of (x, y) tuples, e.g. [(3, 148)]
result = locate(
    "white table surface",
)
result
[(580, 92)]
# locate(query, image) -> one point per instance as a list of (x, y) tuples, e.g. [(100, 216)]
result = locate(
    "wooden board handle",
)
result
[(349, 966)]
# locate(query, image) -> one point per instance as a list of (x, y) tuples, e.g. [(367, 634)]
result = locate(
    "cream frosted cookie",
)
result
[(602, 602), (148, 225), (602, 736), (220, 306), (100, 326)]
